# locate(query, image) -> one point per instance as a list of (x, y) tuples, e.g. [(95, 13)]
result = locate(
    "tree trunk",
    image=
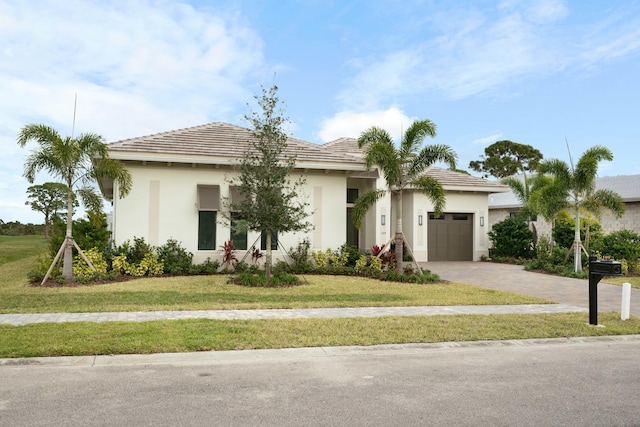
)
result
[(399, 239), (577, 244), (267, 263), (67, 265), (46, 227)]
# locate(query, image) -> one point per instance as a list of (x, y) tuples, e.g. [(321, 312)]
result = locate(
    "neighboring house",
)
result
[(181, 181), (503, 205)]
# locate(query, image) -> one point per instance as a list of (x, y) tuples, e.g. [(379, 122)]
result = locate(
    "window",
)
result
[(208, 205), (207, 230), (274, 241), (433, 216), (460, 217), (239, 237), (352, 195)]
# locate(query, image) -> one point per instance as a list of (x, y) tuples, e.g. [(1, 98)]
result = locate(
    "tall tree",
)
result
[(403, 167), (78, 162), (506, 158), (48, 199), (578, 185), (270, 201), (548, 198)]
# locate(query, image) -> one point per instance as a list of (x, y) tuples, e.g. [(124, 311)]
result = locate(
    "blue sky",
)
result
[(535, 72)]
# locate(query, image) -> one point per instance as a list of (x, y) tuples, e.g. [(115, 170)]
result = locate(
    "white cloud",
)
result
[(352, 124), (472, 52), (487, 140), (137, 68)]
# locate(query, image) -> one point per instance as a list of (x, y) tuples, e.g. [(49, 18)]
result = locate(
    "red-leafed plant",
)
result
[(228, 254), (256, 254)]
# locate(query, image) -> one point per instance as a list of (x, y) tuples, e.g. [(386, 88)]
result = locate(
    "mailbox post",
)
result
[(598, 269)]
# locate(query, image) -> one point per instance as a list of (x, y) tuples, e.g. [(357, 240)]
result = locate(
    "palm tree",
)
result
[(77, 161), (402, 168), (522, 190), (547, 198), (577, 184)]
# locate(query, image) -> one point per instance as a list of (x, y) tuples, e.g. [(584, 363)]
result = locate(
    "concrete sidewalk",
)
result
[(305, 313)]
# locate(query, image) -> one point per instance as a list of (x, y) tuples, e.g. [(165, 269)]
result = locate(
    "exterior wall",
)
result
[(162, 205), (629, 221), (417, 204)]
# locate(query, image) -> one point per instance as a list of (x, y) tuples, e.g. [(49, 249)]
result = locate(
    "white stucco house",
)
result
[(181, 179)]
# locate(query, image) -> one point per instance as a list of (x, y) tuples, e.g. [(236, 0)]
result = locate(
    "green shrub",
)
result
[(351, 254), (241, 267), (175, 258), (43, 264), (511, 238), (92, 232), (622, 244), (148, 266), (279, 279), (425, 277), (207, 267), (321, 259), (82, 269), (301, 257)]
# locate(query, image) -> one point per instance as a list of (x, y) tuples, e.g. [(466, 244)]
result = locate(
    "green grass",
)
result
[(633, 280), (75, 339), (19, 255), (14, 248), (213, 292)]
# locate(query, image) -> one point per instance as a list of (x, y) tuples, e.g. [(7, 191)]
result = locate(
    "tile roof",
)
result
[(627, 186), (221, 141), (344, 145), (453, 180)]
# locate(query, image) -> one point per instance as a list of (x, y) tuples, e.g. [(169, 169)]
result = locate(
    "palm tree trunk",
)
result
[(577, 244), (399, 236), (67, 265)]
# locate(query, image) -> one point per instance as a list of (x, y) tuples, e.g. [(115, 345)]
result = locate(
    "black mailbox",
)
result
[(605, 268), (597, 269)]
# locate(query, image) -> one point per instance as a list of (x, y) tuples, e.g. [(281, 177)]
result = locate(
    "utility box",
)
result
[(605, 267)]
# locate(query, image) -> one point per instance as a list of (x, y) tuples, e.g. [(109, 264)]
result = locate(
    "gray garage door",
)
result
[(450, 237)]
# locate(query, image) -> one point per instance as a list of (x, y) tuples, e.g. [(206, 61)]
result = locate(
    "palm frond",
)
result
[(414, 136), (434, 191), (363, 203), (431, 154)]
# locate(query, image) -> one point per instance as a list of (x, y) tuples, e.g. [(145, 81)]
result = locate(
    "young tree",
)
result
[(49, 199), (402, 168), (506, 158), (269, 201), (78, 162), (577, 184)]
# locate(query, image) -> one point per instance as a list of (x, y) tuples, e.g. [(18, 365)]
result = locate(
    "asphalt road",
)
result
[(558, 382)]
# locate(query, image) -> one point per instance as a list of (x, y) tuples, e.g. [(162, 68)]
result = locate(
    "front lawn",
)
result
[(76, 339)]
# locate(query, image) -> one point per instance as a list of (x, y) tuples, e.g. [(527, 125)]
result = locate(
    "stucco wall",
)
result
[(162, 205), (457, 202)]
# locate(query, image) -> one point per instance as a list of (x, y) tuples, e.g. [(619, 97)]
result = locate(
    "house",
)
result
[(502, 205), (181, 181)]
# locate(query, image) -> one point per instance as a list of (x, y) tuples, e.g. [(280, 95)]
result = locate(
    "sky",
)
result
[(556, 75)]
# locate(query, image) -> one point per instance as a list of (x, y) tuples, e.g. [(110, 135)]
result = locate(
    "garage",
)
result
[(450, 237)]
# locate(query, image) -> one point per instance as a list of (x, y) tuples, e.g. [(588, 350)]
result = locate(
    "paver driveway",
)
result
[(513, 278)]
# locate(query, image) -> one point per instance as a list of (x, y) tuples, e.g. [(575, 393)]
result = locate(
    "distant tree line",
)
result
[(16, 228)]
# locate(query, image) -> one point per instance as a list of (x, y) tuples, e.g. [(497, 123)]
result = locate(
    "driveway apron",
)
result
[(514, 278)]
